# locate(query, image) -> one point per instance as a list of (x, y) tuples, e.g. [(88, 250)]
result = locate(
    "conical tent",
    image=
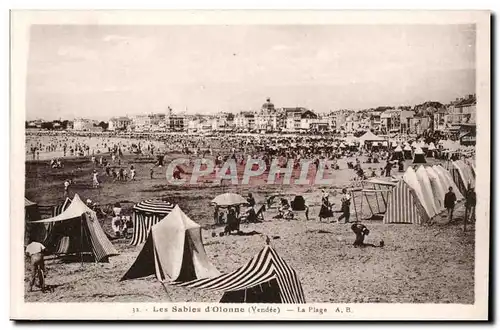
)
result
[(403, 206), (425, 184), (146, 214), (462, 175), (407, 152), (266, 278), (397, 154), (419, 157), (438, 189), (173, 251), (448, 181), (410, 177), (77, 230)]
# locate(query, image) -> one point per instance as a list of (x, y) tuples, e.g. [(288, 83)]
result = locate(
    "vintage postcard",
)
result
[(250, 165)]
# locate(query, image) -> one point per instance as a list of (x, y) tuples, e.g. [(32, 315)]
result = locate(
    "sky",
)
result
[(97, 71)]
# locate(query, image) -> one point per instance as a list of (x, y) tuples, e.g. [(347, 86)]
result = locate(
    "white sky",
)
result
[(104, 71)]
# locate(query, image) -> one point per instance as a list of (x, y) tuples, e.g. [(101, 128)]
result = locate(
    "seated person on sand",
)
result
[(285, 210), (233, 222), (117, 226)]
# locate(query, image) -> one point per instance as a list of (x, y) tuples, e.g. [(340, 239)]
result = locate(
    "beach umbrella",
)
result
[(229, 199)]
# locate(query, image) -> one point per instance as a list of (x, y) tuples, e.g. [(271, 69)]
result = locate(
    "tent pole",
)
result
[(354, 204), (81, 239), (376, 198)]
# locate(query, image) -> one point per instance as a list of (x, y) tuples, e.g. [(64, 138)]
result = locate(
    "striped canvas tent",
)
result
[(404, 206), (41, 232), (146, 214), (77, 230), (266, 278), (462, 175)]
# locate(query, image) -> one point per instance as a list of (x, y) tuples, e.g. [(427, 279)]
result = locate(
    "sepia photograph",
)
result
[(280, 168)]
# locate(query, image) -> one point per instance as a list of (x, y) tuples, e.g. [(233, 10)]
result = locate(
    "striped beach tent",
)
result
[(404, 206), (77, 230), (266, 278), (146, 214), (410, 177), (462, 175)]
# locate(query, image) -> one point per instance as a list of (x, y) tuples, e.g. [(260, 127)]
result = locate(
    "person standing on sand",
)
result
[(470, 205), (132, 173), (95, 180), (151, 172), (325, 211), (449, 203), (35, 251), (346, 206), (66, 188)]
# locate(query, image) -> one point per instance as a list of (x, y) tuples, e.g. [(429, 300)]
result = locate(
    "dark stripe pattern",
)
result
[(146, 215), (101, 246), (265, 266)]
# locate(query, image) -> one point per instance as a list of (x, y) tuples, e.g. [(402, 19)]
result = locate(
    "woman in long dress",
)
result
[(325, 212)]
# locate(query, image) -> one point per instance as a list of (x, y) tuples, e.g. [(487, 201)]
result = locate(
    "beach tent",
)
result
[(447, 181), (146, 214), (410, 177), (438, 187), (418, 156), (369, 137), (462, 175), (31, 213), (404, 206), (407, 152), (266, 278), (173, 251), (426, 186), (77, 230), (414, 144)]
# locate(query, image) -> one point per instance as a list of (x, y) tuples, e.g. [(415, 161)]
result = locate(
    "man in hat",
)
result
[(449, 203), (346, 206)]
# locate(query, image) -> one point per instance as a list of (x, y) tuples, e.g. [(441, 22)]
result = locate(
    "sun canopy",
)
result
[(229, 199)]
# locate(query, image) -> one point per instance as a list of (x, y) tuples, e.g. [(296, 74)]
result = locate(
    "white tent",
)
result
[(173, 251), (448, 181), (370, 137), (438, 188), (425, 184), (419, 157)]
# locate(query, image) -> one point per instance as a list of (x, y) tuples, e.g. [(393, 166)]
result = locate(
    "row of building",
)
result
[(384, 120)]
